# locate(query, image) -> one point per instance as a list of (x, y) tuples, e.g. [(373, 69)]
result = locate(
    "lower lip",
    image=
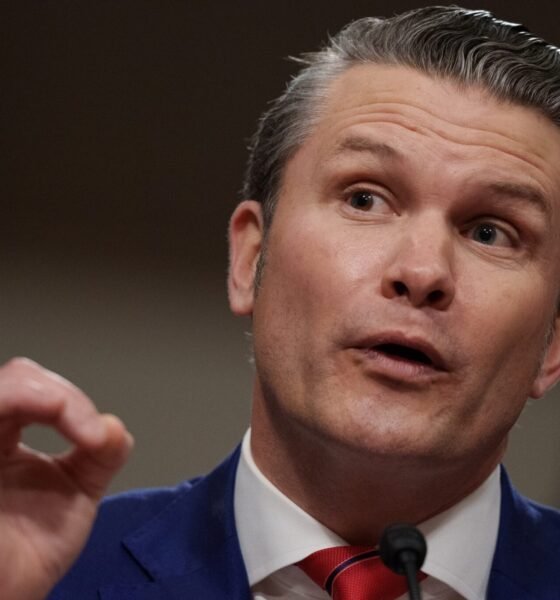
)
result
[(397, 369)]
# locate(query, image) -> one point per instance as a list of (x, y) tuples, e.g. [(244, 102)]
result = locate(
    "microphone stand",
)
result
[(408, 560)]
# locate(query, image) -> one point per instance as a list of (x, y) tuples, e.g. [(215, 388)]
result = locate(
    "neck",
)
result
[(321, 476)]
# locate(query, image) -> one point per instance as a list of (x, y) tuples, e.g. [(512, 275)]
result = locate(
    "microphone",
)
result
[(403, 549)]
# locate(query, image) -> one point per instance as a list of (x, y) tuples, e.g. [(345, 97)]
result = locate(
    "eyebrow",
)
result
[(523, 192), (505, 189), (365, 145)]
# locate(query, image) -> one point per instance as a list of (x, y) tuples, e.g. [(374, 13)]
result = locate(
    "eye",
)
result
[(490, 234), (364, 200)]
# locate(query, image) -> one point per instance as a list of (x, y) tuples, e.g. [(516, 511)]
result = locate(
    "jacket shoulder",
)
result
[(104, 553), (125, 511)]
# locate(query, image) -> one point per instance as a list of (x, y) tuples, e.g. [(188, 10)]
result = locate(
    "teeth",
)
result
[(404, 352)]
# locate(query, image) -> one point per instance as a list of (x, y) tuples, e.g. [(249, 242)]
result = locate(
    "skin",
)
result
[(416, 212), (48, 503)]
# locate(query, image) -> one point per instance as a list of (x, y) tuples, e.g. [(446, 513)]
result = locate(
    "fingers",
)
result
[(30, 393), (93, 468)]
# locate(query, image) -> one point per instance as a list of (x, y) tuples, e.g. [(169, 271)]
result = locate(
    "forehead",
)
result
[(441, 131), (465, 115)]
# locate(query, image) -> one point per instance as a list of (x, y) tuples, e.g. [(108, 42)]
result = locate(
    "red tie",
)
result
[(353, 573)]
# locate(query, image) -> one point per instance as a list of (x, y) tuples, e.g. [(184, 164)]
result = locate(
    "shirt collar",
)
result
[(461, 540)]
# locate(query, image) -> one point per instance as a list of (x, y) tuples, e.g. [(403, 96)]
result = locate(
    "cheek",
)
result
[(308, 284), (317, 274), (508, 337)]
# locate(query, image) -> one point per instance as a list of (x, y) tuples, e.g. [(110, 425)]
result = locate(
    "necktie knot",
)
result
[(353, 573)]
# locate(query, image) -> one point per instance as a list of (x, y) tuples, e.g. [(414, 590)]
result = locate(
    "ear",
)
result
[(245, 241), (549, 372)]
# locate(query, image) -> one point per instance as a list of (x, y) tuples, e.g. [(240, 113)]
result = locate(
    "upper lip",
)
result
[(416, 343)]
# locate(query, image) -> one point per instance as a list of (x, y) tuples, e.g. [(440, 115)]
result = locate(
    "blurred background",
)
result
[(124, 133)]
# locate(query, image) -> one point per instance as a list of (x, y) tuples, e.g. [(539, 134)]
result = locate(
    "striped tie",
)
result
[(353, 573)]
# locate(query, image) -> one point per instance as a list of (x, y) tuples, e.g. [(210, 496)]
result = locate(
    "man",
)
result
[(399, 257)]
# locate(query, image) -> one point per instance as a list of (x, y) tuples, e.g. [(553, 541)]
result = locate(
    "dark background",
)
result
[(124, 130)]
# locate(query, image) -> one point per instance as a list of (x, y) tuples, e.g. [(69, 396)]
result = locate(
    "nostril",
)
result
[(435, 296), (400, 288)]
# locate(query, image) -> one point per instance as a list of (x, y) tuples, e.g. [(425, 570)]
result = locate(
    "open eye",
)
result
[(365, 201), (490, 234)]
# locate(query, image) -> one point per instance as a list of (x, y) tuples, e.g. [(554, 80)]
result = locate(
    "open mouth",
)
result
[(404, 353)]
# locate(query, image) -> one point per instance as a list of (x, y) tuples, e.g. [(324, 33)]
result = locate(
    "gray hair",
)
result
[(467, 46)]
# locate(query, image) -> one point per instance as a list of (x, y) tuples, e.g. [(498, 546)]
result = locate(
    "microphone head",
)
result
[(401, 543)]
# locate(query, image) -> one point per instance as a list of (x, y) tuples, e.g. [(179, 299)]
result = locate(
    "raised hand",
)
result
[(48, 503)]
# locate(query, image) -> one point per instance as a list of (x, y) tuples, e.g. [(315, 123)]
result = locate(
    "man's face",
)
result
[(412, 269)]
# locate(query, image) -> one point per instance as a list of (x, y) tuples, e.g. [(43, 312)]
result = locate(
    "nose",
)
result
[(419, 269)]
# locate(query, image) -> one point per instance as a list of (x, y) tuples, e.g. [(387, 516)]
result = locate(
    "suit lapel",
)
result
[(190, 550), (515, 569)]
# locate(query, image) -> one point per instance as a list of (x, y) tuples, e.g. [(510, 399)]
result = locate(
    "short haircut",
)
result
[(467, 46)]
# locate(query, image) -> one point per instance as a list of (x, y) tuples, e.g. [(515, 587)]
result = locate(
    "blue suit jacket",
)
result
[(181, 544)]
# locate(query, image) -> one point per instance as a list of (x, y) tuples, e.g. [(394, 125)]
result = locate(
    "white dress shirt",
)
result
[(274, 533)]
